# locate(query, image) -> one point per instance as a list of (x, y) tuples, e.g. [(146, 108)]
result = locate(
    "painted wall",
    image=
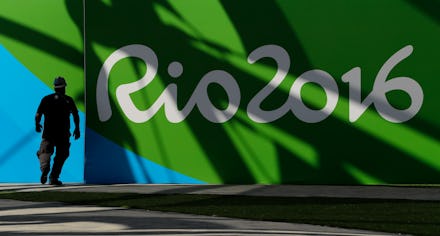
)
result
[(210, 91), (39, 40), (322, 92)]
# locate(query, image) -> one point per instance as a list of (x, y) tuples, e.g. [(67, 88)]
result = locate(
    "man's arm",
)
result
[(76, 132), (76, 120), (38, 116), (38, 126)]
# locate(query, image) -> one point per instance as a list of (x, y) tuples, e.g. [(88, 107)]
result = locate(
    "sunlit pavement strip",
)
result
[(371, 192), (21, 218)]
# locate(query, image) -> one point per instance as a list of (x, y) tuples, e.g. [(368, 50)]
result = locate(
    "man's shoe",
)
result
[(43, 179), (55, 182)]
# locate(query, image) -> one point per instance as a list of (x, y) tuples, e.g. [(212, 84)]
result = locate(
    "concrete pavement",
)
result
[(30, 218), (370, 192)]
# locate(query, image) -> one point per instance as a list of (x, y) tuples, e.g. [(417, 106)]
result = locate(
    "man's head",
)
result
[(59, 85)]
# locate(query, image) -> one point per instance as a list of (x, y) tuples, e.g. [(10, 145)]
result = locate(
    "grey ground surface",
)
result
[(377, 192), (31, 218)]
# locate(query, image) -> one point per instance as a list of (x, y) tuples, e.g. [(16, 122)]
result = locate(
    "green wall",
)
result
[(223, 91), (382, 144)]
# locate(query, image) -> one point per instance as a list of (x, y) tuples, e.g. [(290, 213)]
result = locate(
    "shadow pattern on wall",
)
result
[(219, 35)]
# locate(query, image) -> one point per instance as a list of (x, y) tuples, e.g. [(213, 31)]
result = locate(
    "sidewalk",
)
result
[(376, 192), (49, 218), (30, 218)]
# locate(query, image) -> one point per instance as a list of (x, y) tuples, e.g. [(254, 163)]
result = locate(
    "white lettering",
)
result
[(381, 87), (168, 97), (294, 102)]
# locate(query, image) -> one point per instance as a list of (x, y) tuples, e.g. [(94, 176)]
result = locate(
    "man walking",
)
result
[(56, 109)]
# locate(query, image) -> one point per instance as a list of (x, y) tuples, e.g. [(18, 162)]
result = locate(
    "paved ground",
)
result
[(378, 192), (30, 218)]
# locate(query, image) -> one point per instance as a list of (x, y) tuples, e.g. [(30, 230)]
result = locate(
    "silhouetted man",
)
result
[(56, 109)]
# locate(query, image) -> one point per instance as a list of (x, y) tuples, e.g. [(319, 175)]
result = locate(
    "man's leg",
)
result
[(62, 152), (44, 153)]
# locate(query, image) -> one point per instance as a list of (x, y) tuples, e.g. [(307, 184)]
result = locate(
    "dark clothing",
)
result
[(56, 109), (45, 152)]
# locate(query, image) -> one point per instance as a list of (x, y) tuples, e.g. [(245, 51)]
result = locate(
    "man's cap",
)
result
[(59, 82)]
